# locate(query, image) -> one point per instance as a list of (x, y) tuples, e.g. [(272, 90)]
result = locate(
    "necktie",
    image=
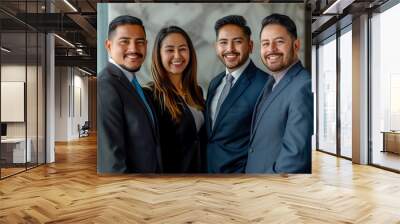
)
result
[(266, 92), (139, 90), (225, 91)]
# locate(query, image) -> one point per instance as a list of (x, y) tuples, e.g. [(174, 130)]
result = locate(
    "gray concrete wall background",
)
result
[(198, 20)]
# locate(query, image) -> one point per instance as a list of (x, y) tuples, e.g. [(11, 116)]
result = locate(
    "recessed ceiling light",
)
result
[(70, 5), (337, 7), (84, 71), (5, 50), (64, 40)]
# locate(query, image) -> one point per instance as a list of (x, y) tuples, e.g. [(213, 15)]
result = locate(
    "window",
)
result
[(327, 96), (385, 89), (346, 93)]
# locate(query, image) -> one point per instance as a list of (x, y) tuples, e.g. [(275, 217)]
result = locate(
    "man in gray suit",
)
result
[(282, 123)]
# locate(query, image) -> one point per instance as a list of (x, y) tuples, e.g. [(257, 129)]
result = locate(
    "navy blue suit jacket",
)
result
[(228, 141), (281, 133)]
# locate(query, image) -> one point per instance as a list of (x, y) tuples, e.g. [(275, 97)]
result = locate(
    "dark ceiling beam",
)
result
[(91, 5), (16, 18), (322, 22), (86, 26), (82, 61), (49, 22)]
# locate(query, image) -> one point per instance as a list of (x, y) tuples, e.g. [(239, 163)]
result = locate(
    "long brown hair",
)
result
[(164, 90)]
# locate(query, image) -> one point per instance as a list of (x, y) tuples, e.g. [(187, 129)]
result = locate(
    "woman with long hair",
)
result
[(178, 100)]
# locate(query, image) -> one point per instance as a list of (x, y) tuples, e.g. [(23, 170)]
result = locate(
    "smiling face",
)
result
[(233, 46), (278, 48), (127, 46), (174, 53)]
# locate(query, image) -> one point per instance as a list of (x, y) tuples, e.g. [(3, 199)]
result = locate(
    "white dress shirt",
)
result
[(129, 75), (236, 75)]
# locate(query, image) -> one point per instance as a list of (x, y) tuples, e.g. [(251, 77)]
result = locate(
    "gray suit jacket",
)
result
[(280, 140)]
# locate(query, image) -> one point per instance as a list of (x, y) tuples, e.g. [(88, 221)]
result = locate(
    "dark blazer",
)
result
[(280, 140), (127, 140), (180, 142), (228, 141)]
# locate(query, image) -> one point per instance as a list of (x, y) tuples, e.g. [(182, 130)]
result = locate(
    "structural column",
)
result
[(360, 90)]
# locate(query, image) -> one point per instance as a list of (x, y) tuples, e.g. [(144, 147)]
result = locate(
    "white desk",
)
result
[(17, 145)]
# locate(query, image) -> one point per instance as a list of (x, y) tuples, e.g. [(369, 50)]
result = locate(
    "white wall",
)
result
[(33, 126), (15, 72), (71, 101), (61, 103)]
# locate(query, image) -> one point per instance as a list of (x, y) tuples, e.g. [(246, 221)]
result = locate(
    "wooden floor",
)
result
[(387, 159), (70, 191)]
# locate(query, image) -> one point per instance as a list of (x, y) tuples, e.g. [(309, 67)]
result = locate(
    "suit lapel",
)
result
[(115, 71), (260, 96), (275, 92), (155, 129), (240, 86)]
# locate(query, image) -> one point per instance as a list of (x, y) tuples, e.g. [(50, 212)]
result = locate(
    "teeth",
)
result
[(230, 56), (132, 56), (273, 57), (176, 63)]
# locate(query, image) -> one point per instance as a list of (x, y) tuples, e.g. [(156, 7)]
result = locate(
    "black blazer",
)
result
[(127, 140), (182, 146)]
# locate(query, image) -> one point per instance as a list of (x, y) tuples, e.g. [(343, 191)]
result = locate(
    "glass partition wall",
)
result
[(326, 89), (385, 90), (345, 65), (22, 77), (334, 90)]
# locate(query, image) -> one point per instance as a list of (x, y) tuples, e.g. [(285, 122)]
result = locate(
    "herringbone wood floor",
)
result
[(70, 191)]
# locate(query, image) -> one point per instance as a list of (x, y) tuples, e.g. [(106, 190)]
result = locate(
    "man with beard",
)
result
[(282, 124), (127, 140), (231, 97)]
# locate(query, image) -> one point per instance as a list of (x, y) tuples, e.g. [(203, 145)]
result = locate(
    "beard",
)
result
[(291, 58), (234, 65), (129, 69)]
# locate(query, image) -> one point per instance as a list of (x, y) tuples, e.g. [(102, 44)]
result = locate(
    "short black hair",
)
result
[(123, 20), (235, 20), (282, 20)]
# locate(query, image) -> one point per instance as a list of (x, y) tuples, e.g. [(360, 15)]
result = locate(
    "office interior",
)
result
[(48, 81)]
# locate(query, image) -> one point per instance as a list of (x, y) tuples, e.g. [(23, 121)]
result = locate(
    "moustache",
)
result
[(136, 54), (273, 54), (227, 53)]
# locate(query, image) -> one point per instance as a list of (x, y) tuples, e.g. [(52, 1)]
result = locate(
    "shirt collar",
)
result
[(236, 74), (279, 75), (129, 75)]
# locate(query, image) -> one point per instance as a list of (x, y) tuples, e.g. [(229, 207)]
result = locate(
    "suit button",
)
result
[(251, 149)]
